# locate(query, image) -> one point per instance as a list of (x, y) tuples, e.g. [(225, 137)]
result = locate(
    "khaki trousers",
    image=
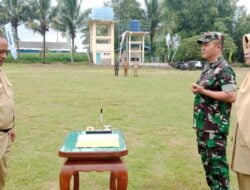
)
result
[(125, 71), (5, 144), (135, 72), (243, 181)]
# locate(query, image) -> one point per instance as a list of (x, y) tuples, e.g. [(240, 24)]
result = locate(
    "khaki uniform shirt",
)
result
[(7, 112), (241, 150), (125, 65), (241, 154), (136, 65)]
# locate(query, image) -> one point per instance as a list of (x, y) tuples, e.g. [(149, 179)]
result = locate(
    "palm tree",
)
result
[(42, 16), (116, 5), (14, 11), (152, 15), (85, 33), (69, 19)]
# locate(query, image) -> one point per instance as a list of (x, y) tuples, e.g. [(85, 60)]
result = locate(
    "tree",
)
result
[(42, 16), (226, 13), (86, 33), (85, 27), (242, 26), (190, 50), (126, 10), (161, 49), (129, 9), (190, 18), (200, 16), (116, 5), (152, 15), (69, 19), (14, 11)]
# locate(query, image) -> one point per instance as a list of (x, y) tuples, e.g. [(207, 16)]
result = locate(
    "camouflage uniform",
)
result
[(211, 121), (116, 67)]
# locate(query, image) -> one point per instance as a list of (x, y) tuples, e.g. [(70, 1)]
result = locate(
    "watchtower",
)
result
[(133, 37), (101, 25)]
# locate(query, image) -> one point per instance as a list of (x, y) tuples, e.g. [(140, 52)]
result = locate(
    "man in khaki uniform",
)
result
[(241, 150), (125, 67), (136, 65), (7, 132)]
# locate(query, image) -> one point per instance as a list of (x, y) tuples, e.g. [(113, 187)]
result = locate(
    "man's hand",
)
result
[(197, 89), (12, 134), (217, 95)]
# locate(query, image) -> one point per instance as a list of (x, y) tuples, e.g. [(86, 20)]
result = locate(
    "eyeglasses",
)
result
[(2, 51)]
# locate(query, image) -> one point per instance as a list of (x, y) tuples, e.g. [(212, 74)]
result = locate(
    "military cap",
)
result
[(209, 36)]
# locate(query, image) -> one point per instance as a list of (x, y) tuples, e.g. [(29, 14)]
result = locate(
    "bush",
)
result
[(50, 58)]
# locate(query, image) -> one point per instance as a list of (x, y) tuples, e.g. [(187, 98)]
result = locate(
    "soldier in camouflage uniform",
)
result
[(215, 91), (116, 67)]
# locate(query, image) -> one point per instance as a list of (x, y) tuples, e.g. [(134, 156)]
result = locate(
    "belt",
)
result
[(5, 130)]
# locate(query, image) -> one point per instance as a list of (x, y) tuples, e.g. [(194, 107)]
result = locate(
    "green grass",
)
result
[(51, 57), (154, 111)]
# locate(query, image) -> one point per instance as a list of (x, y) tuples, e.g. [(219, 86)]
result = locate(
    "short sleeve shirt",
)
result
[(212, 115), (7, 110), (125, 65)]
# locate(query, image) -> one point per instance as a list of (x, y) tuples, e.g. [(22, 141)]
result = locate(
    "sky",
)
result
[(98, 3), (246, 3), (53, 36)]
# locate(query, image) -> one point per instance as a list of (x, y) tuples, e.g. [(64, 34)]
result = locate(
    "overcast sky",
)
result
[(246, 3), (98, 3)]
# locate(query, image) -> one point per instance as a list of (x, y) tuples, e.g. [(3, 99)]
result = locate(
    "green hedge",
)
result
[(50, 58)]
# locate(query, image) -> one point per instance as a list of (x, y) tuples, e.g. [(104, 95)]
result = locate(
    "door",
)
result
[(98, 58)]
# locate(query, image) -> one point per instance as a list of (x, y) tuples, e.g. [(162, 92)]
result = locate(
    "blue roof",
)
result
[(104, 13)]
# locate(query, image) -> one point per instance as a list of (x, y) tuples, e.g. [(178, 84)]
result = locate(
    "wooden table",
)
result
[(93, 159)]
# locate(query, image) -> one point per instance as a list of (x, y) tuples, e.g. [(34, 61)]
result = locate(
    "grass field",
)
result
[(154, 111)]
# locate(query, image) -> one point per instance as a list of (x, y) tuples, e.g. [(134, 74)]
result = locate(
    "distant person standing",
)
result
[(7, 131), (241, 150), (215, 91), (136, 65), (116, 67), (125, 67)]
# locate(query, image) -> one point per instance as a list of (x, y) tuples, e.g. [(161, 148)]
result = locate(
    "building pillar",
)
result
[(129, 48), (94, 41), (112, 41), (142, 60)]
